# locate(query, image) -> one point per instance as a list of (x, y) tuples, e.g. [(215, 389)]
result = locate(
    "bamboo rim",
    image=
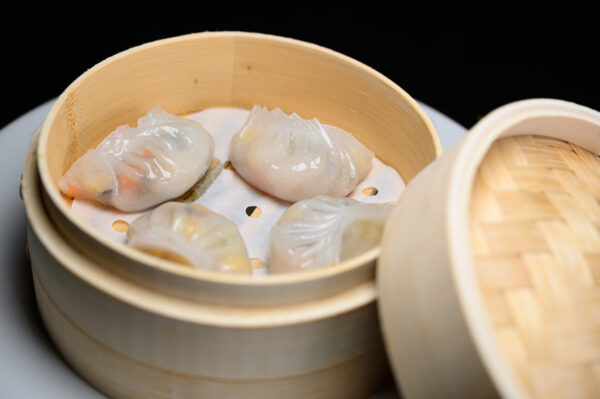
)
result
[(240, 280), (527, 117)]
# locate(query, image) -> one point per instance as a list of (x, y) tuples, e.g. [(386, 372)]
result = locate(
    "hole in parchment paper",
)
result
[(253, 211), (370, 191), (120, 225), (257, 264)]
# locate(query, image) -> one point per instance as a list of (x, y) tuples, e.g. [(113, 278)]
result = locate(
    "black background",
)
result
[(462, 58)]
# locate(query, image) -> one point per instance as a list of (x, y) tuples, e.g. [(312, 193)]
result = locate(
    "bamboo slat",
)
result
[(537, 258)]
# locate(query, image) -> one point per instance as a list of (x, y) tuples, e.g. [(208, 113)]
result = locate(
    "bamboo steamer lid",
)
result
[(489, 276)]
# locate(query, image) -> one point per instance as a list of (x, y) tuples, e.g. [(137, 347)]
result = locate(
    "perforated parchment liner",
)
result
[(232, 197)]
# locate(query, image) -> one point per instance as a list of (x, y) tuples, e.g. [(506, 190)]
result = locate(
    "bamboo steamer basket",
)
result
[(136, 326), (489, 275)]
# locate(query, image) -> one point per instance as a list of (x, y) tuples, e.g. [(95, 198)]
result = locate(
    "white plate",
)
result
[(30, 366)]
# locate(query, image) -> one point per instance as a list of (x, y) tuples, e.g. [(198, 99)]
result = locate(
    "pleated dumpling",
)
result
[(136, 168), (293, 158), (323, 231), (191, 235)]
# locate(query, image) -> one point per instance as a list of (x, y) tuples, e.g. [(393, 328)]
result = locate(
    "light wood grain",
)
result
[(458, 313), (132, 378), (551, 293)]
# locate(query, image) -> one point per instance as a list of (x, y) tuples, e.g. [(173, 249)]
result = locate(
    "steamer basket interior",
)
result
[(193, 72)]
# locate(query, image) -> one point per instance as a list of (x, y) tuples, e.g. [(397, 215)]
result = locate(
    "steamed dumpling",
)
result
[(136, 168), (293, 158), (323, 231), (191, 235)]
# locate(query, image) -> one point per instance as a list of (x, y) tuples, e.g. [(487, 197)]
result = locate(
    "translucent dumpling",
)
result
[(136, 168), (293, 158), (191, 235), (323, 231)]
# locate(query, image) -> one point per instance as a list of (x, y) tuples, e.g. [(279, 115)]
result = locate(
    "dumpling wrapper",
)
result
[(293, 158), (323, 231), (191, 235), (136, 168)]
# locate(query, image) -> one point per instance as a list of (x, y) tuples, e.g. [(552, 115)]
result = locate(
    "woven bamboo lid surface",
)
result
[(488, 277), (535, 237)]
